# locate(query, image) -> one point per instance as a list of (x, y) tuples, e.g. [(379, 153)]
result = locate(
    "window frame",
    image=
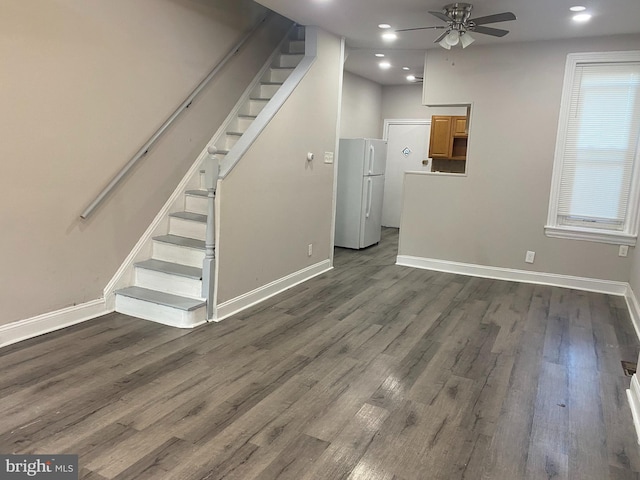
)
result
[(628, 234)]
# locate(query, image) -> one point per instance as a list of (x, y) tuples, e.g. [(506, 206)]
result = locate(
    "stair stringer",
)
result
[(125, 276)]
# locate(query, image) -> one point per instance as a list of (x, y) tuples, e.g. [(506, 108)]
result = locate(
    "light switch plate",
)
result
[(328, 157)]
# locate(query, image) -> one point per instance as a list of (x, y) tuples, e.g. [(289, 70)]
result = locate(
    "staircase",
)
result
[(167, 288)]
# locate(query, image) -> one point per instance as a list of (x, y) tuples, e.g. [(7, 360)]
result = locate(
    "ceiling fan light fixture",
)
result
[(411, 78), (578, 8), (443, 43), (453, 38), (466, 40), (389, 37)]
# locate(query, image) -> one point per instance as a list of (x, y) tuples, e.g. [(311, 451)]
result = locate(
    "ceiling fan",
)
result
[(459, 25)]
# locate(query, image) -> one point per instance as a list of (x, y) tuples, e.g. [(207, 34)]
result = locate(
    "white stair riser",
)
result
[(253, 107), (279, 75), (195, 204), (268, 91), (187, 228), (240, 124), (288, 60), (177, 254), (295, 46), (160, 313), (168, 283), (230, 141)]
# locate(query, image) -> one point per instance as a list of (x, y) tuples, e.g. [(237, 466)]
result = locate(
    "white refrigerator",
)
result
[(361, 167)]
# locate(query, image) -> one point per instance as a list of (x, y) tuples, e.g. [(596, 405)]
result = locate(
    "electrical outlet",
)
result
[(623, 250), (310, 249), (530, 256)]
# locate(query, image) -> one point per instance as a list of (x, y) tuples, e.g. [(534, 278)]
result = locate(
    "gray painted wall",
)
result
[(405, 101), (84, 85), (497, 212), (275, 203), (361, 108)]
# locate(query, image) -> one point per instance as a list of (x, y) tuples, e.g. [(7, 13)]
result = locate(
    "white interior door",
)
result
[(408, 146)]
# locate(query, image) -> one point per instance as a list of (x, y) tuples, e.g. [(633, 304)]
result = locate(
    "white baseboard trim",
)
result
[(498, 273), (634, 309), (48, 322), (633, 394), (249, 299)]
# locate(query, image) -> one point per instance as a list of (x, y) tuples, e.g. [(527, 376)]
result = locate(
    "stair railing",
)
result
[(147, 146), (211, 166)]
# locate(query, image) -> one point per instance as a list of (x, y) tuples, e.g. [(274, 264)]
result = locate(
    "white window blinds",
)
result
[(600, 146)]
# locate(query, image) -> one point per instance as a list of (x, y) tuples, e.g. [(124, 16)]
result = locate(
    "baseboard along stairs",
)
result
[(167, 288)]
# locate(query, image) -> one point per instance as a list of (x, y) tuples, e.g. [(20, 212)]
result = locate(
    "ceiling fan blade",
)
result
[(422, 28), (439, 39), (494, 32), (442, 16), (498, 17)]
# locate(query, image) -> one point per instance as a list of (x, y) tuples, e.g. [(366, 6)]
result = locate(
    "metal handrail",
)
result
[(145, 148)]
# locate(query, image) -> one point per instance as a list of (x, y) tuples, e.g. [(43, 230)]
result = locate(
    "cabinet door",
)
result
[(440, 143), (459, 126)]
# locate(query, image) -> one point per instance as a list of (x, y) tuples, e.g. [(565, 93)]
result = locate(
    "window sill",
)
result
[(590, 235)]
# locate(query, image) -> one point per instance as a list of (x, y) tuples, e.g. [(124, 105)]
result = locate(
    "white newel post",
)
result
[(211, 171)]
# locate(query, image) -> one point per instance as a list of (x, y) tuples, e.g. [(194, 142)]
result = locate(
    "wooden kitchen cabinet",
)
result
[(440, 140), (459, 126), (448, 137), (448, 143)]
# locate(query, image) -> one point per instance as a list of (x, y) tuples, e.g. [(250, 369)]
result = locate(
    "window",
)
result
[(594, 194)]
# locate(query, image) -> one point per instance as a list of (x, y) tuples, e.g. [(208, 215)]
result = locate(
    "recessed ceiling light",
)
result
[(379, 55), (578, 8), (406, 68), (411, 78), (384, 65), (389, 37), (384, 26), (581, 17)]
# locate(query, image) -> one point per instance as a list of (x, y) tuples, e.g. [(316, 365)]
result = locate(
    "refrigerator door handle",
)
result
[(372, 157), (369, 196)]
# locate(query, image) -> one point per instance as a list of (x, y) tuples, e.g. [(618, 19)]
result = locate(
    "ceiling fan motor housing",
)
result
[(458, 12)]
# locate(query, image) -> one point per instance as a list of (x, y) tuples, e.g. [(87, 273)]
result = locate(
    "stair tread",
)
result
[(181, 241), (197, 193), (161, 298), (171, 268), (194, 217)]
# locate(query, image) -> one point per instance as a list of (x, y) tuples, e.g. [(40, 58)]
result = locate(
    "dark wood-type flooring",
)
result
[(371, 371)]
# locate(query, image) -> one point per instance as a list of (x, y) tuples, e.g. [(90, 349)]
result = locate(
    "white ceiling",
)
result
[(357, 21)]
